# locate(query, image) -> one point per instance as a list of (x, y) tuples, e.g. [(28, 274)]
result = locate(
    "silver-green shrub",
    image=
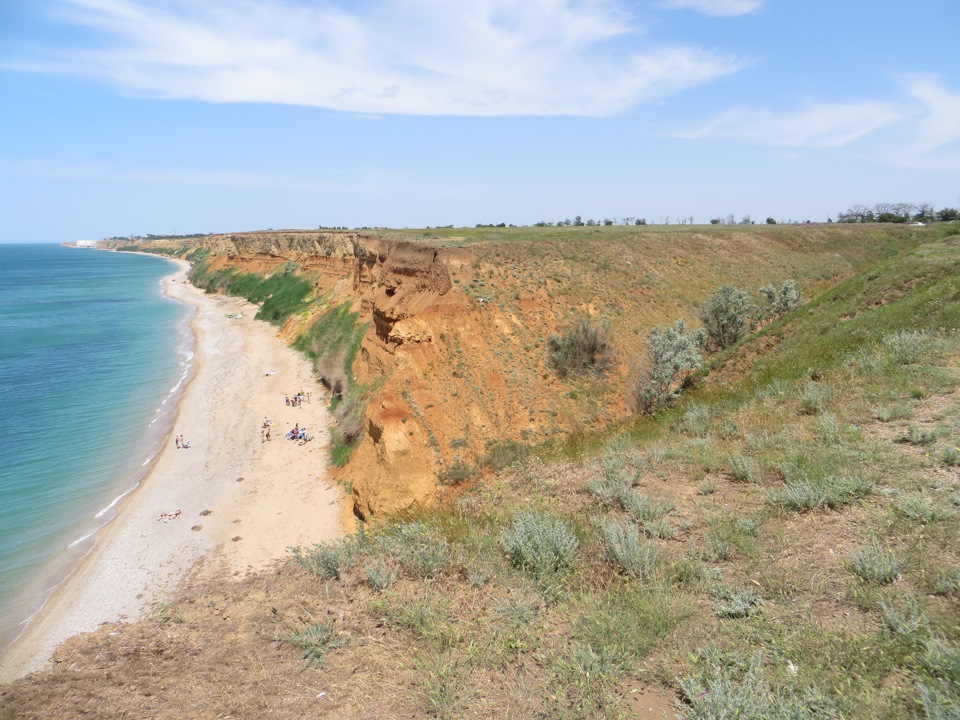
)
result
[(698, 419), (811, 493), (734, 602), (814, 397), (743, 468), (874, 564), (724, 316), (381, 574), (625, 547), (906, 346), (672, 356), (620, 465), (920, 507), (419, 549), (719, 693), (948, 583), (327, 560), (780, 300), (651, 514), (538, 543)]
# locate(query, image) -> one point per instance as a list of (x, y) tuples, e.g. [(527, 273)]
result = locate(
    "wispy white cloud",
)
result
[(931, 140), (823, 125), (717, 7), (486, 57), (920, 128)]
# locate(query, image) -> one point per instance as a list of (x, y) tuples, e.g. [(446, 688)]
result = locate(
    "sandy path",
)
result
[(243, 501)]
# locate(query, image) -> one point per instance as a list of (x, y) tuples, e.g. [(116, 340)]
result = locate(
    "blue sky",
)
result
[(175, 116)]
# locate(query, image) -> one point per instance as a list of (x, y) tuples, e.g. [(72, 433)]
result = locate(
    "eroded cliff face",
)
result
[(406, 293), (457, 344), (326, 254)]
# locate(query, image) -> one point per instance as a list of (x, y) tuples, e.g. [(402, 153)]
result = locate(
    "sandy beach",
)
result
[(242, 500)]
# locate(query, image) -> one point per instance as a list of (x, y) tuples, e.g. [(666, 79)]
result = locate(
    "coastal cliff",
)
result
[(402, 292), (454, 355)]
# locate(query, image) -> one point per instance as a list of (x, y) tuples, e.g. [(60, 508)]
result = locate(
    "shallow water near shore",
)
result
[(92, 360)]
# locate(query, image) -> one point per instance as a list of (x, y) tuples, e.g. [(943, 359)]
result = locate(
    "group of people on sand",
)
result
[(298, 433), (167, 517), (296, 400), (181, 443)]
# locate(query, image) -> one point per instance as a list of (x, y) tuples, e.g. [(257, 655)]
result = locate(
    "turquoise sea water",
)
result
[(91, 361)]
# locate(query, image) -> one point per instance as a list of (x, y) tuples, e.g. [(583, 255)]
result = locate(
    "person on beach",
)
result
[(177, 441), (268, 432), (286, 399)]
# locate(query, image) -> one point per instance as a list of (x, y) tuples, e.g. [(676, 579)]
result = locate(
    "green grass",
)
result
[(332, 342), (912, 295), (281, 295)]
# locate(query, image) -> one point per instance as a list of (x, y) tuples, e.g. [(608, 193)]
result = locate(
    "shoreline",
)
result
[(30, 599), (243, 501)]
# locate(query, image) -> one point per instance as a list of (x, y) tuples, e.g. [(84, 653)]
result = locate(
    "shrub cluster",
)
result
[(874, 564), (811, 493), (735, 602), (721, 692), (625, 547), (672, 357), (539, 543), (724, 317), (586, 346), (419, 550), (780, 300), (326, 560), (620, 472)]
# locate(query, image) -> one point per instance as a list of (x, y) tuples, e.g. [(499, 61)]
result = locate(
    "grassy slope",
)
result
[(459, 630), (538, 281), (535, 282)]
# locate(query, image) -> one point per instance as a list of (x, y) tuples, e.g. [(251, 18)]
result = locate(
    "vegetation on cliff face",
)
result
[(279, 294), (332, 342), (469, 332), (783, 542)]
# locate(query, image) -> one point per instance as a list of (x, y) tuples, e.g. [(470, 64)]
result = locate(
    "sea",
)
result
[(92, 360)]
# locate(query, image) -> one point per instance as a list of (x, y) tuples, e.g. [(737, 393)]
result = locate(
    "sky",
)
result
[(128, 117)]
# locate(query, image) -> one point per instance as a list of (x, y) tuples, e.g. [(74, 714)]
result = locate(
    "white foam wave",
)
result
[(108, 508), (82, 539)]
